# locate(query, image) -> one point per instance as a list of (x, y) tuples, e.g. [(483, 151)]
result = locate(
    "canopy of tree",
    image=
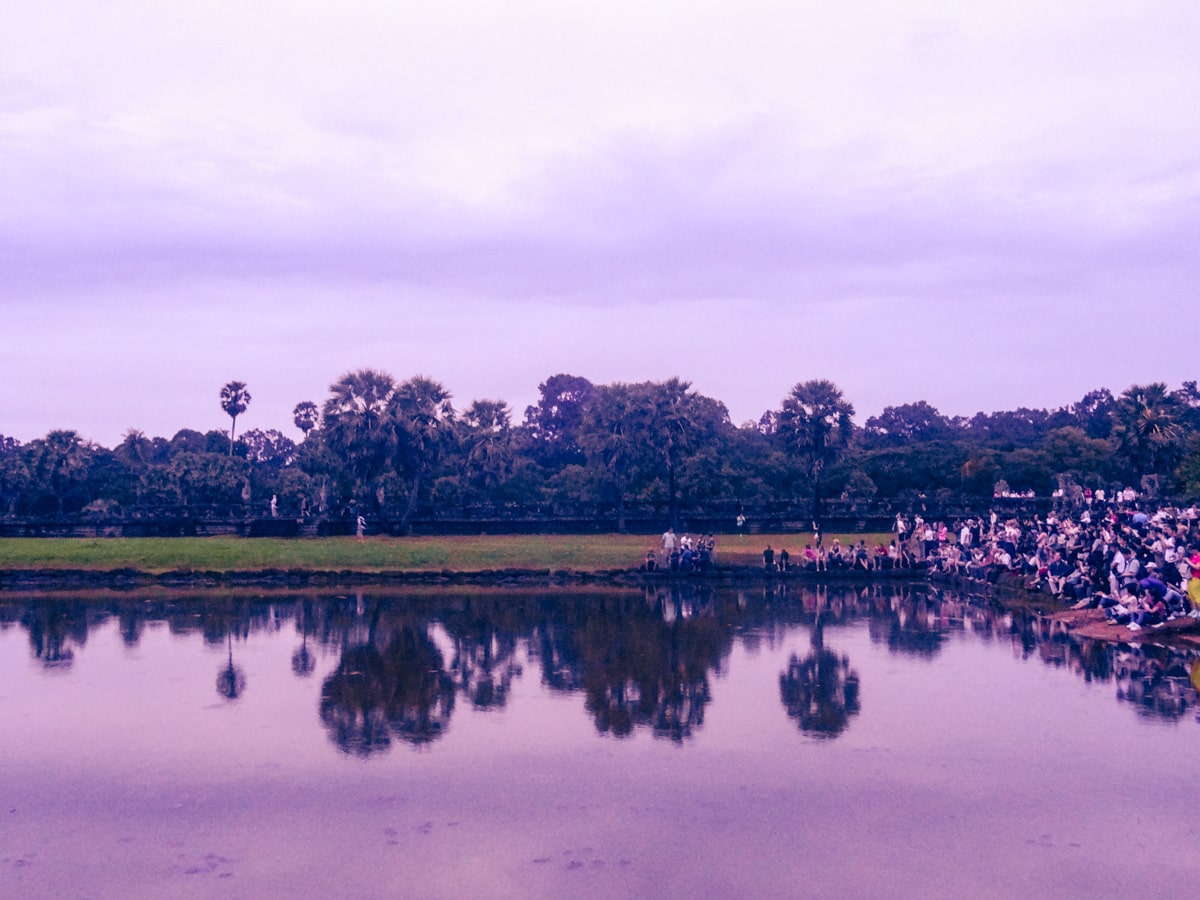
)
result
[(400, 450)]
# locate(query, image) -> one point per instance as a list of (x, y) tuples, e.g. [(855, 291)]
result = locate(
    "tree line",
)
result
[(399, 451)]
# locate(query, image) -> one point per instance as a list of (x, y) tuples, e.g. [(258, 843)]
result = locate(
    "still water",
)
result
[(832, 742)]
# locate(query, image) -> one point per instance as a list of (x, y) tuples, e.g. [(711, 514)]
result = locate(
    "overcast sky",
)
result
[(981, 205)]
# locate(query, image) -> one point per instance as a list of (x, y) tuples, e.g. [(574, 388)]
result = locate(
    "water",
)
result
[(473, 743)]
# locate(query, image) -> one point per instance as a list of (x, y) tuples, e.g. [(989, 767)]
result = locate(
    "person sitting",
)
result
[(860, 555), (784, 557), (1119, 611), (810, 558), (881, 557), (1056, 574), (1150, 611), (834, 561)]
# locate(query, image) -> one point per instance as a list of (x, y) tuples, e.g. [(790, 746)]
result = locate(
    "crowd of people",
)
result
[(1140, 565), (682, 553)]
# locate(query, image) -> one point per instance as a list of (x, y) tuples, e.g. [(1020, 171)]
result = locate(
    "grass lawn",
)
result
[(464, 554)]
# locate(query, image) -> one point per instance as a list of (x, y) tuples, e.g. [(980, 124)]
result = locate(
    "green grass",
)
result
[(464, 554)]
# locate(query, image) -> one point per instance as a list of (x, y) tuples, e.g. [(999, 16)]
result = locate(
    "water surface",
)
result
[(695, 742)]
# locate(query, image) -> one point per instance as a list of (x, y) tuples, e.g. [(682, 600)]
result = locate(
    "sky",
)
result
[(979, 205)]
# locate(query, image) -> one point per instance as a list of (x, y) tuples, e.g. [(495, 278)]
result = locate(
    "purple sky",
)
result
[(980, 207)]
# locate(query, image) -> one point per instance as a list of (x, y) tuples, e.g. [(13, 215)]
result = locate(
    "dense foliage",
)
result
[(400, 450)]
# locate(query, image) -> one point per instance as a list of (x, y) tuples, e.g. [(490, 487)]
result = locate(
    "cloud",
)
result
[(492, 194)]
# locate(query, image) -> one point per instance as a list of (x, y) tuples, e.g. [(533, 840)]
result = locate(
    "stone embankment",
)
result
[(132, 579), (1008, 590)]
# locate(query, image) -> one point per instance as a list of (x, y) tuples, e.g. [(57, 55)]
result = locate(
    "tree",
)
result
[(676, 420), (1148, 429), (898, 425), (487, 437), (234, 400), (14, 474), (607, 439), (424, 420), (816, 425), (1093, 413), (553, 424), (306, 416), (58, 463), (186, 440), (270, 449), (359, 428)]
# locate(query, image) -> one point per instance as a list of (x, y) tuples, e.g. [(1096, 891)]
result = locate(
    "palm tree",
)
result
[(58, 463), (306, 416), (679, 420), (815, 424), (234, 400), (1148, 428), (359, 426), (489, 444), (424, 420)]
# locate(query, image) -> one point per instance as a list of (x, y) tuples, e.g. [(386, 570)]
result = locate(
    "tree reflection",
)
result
[(303, 660), (485, 635), (56, 629), (635, 668), (820, 691), (640, 660), (392, 685), (231, 680)]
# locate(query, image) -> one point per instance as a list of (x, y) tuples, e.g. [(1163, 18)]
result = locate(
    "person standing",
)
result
[(360, 528), (668, 542)]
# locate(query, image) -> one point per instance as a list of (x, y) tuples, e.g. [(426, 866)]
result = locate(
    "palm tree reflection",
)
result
[(303, 660), (392, 685), (231, 680), (820, 691), (637, 669), (55, 630)]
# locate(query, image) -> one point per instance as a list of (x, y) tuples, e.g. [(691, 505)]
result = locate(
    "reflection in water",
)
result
[(55, 630), (304, 662), (231, 680), (485, 633), (638, 660), (391, 684), (820, 691)]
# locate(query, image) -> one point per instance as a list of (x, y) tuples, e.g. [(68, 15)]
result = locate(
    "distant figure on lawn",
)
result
[(361, 529), (668, 542)]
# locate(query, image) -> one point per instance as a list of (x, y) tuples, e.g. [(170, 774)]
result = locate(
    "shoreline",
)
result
[(1086, 624), (126, 579)]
